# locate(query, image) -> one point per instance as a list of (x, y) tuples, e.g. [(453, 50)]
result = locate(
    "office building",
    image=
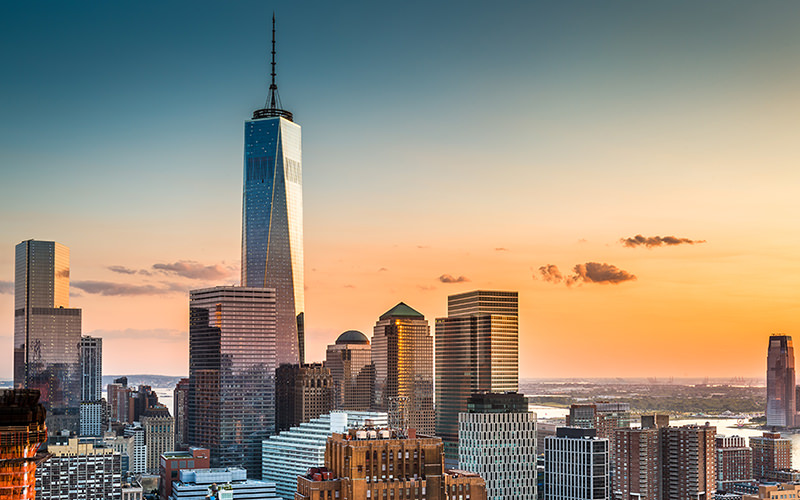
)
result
[(379, 463), (688, 468), (497, 441), (172, 462), (576, 465), (220, 483), (47, 332), (272, 218), (771, 453), (159, 435), (180, 402), (734, 461), (638, 464), (118, 394), (477, 350), (139, 401), (22, 432), (232, 373), (79, 470), (781, 405), (92, 405), (302, 392), (605, 417), (291, 453), (350, 361), (138, 460), (402, 352)]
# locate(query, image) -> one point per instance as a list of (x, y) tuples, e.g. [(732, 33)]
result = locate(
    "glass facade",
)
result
[(402, 351), (780, 382), (272, 225), (47, 333), (231, 404), (350, 363), (477, 350)]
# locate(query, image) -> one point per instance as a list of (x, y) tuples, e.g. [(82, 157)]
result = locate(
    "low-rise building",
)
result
[(782, 491), (172, 462), (196, 484)]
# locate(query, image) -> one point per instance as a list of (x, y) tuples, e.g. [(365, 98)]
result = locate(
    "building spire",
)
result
[(272, 107)]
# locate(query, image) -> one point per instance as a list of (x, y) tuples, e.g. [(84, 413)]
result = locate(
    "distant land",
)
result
[(160, 381)]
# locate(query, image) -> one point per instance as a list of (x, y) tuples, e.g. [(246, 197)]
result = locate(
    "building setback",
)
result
[(477, 351), (302, 392), (382, 463), (232, 373), (497, 441), (781, 405), (402, 352), (576, 465)]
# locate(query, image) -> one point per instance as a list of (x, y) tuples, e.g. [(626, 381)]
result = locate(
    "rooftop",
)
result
[(402, 310)]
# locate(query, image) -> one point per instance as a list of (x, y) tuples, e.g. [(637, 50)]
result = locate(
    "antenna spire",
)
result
[(273, 105)]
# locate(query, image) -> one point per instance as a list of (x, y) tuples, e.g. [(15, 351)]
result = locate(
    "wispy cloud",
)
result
[(6, 287), (501, 249), (657, 241), (449, 278), (426, 288), (127, 270), (590, 272), (349, 286), (195, 270), (110, 288), (382, 270)]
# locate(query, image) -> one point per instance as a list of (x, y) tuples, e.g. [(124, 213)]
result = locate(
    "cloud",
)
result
[(501, 249), (656, 241), (164, 334), (349, 286), (448, 278), (590, 272), (595, 272), (194, 270), (383, 269), (109, 288), (423, 246), (6, 287), (127, 270), (551, 274)]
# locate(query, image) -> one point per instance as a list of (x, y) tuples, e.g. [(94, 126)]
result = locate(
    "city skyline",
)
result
[(599, 124)]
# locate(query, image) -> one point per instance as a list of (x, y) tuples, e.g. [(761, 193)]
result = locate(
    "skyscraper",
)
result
[(91, 386), (349, 360), (477, 350), (402, 351), (232, 373), (302, 392), (780, 382), (576, 465), (272, 217), (47, 333), (180, 402), (688, 462), (638, 468)]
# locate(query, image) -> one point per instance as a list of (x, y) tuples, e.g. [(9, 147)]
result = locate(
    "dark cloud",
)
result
[(590, 272), (448, 278), (6, 287), (551, 274), (657, 241), (163, 334), (125, 289), (194, 270), (127, 270)]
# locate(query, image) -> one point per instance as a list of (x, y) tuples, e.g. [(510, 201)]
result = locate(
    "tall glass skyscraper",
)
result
[(272, 217), (781, 409), (47, 333), (231, 404)]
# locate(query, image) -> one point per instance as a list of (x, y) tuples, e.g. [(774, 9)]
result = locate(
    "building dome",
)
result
[(352, 337)]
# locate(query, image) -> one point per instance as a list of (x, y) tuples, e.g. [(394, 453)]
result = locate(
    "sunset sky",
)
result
[(446, 148)]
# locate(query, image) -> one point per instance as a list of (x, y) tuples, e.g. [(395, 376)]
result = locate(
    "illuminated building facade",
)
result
[(232, 373), (780, 382), (402, 352), (349, 360), (47, 333), (22, 431), (477, 350)]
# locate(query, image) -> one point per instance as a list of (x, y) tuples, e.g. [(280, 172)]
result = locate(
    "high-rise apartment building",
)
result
[(771, 453), (118, 394), (402, 352), (638, 464), (302, 392), (47, 332), (477, 350), (350, 361), (380, 463), (22, 432), (781, 406), (79, 470), (138, 459), (734, 461), (159, 435), (688, 465), (180, 403), (272, 217), (603, 416), (576, 465), (92, 405), (232, 373), (497, 440)]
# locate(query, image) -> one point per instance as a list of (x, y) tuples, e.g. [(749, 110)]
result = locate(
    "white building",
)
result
[(91, 418), (293, 452), (576, 465), (497, 440), (231, 482), (138, 461)]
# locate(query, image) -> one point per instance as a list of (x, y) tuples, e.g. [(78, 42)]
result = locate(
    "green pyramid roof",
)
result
[(403, 311)]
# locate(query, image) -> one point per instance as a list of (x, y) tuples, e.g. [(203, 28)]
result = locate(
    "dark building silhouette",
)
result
[(302, 392), (180, 402)]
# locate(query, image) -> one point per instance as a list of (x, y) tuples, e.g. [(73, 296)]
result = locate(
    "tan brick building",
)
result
[(380, 464)]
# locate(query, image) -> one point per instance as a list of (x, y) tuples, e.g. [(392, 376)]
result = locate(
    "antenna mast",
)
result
[(273, 105)]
